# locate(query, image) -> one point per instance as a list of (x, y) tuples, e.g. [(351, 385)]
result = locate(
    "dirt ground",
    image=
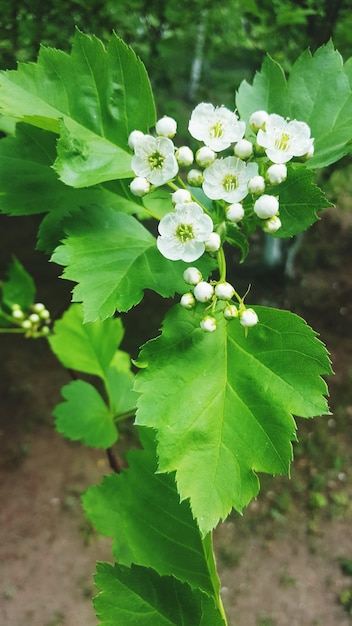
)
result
[(280, 564)]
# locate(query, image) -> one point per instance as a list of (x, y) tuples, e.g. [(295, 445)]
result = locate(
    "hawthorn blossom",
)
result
[(154, 159), (182, 233), (284, 140), (217, 127), (227, 179)]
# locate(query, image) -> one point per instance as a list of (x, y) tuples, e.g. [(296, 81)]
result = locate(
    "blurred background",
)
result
[(288, 561)]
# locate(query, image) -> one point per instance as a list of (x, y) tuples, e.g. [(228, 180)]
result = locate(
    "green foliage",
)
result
[(19, 287), (92, 349), (318, 92), (228, 397)]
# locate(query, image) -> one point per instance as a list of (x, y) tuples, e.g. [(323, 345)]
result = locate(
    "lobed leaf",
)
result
[(84, 416), (19, 288), (114, 259), (222, 403), (140, 596)]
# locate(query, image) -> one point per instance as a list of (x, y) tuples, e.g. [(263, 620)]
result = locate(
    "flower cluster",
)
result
[(212, 294), (35, 322), (241, 185)]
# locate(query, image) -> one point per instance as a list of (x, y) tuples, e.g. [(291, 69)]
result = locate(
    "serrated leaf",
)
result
[(300, 201), (318, 92), (120, 509), (84, 416), (222, 403), (19, 288), (95, 93), (114, 259), (140, 596), (88, 348)]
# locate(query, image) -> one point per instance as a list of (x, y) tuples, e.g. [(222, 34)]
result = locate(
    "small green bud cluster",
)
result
[(35, 322), (217, 296)]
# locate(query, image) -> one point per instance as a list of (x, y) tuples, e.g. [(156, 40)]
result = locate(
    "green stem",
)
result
[(208, 548), (222, 264), (13, 330)]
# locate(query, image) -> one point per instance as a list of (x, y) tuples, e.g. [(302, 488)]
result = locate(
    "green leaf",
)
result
[(266, 93), (119, 384), (19, 288), (84, 416), (114, 259), (237, 238), (93, 96), (149, 525), (222, 403), (140, 596), (88, 348), (300, 201), (318, 92)]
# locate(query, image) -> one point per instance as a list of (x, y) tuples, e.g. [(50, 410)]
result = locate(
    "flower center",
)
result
[(230, 182), (184, 232), (281, 143), (156, 160), (217, 130)]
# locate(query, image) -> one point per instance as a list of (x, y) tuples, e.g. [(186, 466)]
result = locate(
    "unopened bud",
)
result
[(181, 195), (195, 178), (257, 120), (243, 149), (166, 127), (235, 212), (205, 156), (266, 206), (208, 324), (224, 291), (188, 300), (203, 292), (139, 186), (213, 243), (256, 184), (192, 276), (184, 156), (277, 173), (248, 318), (134, 137)]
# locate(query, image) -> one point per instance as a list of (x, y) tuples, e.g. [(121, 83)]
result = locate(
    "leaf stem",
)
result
[(13, 330)]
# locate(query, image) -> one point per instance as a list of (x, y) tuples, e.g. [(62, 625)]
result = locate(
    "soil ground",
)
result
[(286, 562)]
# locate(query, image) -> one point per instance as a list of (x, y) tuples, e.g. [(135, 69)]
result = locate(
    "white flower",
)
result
[(256, 184), (181, 195), (227, 179), (166, 126), (183, 232), (134, 137), (224, 291), (248, 318), (192, 276), (205, 156), (272, 225), (217, 127), (258, 120), (139, 186), (187, 301), (266, 206), (154, 159), (283, 140), (243, 149), (195, 178), (208, 324), (235, 212), (184, 156), (213, 243), (277, 173), (203, 292)]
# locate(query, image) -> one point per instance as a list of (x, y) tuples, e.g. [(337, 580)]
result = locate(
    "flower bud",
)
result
[(192, 276), (184, 156), (26, 324), (166, 127), (257, 120), (266, 206), (205, 156), (235, 212), (208, 324), (203, 292), (230, 312), (44, 314), (224, 291), (277, 173), (256, 184), (134, 137), (243, 149), (34, 318), (213, 243), (195, 178), (181, 195), (17, 314), (188, 300), (272, 225), (139, 186), (248, 318), (38, 307)]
